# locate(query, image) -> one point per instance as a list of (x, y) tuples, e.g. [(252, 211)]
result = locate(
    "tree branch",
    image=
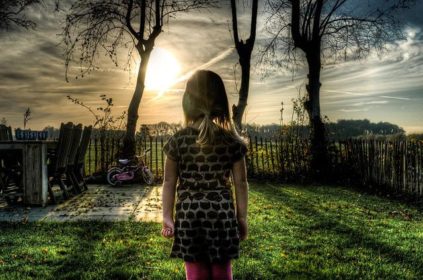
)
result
[(316, 22), (12, 13), (158, 14), (252, 38), (235, 24), (295, 26), (142, 19), (128, 19)]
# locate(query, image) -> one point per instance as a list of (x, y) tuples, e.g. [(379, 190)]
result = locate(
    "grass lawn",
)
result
[(296, 232)]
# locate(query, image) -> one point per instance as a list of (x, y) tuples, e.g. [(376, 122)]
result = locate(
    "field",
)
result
[(296, 232)]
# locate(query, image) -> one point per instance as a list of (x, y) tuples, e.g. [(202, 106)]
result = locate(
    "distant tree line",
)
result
[(344, 129), (340, 130), (415, 136)]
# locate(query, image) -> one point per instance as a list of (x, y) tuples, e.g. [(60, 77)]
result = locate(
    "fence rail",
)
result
[(396, 165)]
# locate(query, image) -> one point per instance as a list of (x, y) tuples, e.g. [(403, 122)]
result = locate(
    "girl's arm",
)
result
[(168, 195), (239, 173)]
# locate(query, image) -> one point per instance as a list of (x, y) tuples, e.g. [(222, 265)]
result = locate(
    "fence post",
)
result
[(157, 158), (256, 154), (95, 154), (266, 157), (271, 158), (151, 151), (161, 155), (251, 156), (89, 157)]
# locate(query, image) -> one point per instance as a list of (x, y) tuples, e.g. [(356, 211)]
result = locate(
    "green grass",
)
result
[(296, 232)]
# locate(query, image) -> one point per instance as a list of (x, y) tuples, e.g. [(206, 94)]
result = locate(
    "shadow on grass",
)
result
[(100, 249), (119, 250), (85, 250), (349, 233), (82, 253)]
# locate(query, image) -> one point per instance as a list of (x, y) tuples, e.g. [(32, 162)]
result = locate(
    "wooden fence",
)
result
[(396, 165), (100, 156), (371, 163), (277, 158)]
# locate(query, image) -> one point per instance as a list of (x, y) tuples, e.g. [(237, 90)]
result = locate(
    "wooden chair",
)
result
[(11, 187), (78, 170), (58, 164), (10, 169), (7, 158), (5, 133), (72, 181)]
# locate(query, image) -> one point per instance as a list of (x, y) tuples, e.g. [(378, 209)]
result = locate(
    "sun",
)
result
[(162, 70)]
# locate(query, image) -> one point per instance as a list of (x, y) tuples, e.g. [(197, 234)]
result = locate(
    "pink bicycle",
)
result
[(128, 170)]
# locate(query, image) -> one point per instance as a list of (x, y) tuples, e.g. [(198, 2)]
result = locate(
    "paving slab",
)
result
[(98, 203)]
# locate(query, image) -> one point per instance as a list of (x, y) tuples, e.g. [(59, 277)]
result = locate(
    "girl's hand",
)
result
[(168, 227), (243, 229)]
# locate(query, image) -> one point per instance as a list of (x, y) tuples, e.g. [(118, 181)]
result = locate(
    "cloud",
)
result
[(370, 102), (378, 88), (354, 110), (395, 97)]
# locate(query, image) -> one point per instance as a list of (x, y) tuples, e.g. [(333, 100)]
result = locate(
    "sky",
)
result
[(32, 74)]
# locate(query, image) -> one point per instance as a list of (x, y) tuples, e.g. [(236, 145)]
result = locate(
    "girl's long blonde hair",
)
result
[(205, 97)]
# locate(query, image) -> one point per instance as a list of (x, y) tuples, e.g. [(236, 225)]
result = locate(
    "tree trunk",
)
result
[(244, 52), (238, 110), (319, 156), (128, 150)]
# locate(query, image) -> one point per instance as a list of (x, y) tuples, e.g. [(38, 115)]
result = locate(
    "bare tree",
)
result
[(244, 50), (108, 25), (12, 13), (329, 30)]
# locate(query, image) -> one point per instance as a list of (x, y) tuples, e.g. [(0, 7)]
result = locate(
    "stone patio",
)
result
[(100, 202)]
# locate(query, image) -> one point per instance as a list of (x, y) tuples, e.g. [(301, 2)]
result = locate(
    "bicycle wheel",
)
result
[(111, 176), (148, 176)]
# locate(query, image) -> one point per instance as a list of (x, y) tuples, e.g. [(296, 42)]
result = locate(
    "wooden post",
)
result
[(112, 150), (162, 156), (281, 158), (251, 156), (266, 157), (157, 158), (257, 158), (271, 158), (34, 168), (151, 152), (420, 153), (107, 157), (277, 157), (89, 157), (262, 155), (95, 155)]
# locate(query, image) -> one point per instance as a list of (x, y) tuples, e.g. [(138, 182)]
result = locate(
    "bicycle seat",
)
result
[(124, 161)]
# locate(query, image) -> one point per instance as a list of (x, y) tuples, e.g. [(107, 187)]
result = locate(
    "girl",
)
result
[(206, 228)]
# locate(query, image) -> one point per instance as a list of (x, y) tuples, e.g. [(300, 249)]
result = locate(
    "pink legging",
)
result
[(205, 270)]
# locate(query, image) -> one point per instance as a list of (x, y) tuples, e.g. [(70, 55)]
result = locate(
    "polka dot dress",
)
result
[(206, 227)]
